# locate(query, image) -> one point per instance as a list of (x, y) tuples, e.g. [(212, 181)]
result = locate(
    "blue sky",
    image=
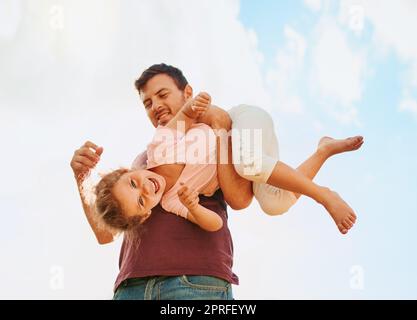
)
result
[(320, 67)]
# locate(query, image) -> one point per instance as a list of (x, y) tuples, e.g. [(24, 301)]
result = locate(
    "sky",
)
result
[(321, 68)]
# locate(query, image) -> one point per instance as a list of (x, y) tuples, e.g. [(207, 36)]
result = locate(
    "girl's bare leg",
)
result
[(299, 181), (326, 148)]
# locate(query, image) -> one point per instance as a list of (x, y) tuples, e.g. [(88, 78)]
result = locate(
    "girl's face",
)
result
[(138, 191)]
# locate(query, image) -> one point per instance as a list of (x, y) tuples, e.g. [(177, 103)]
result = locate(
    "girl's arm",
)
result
[(188, 114), (205, 218)]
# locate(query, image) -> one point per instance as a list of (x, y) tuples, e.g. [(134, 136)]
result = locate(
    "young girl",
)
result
[(124, 198)]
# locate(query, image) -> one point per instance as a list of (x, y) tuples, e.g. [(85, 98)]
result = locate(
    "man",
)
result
[(173, 258)]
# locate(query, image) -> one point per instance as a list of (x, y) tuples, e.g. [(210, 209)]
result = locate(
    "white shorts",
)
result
[(255, 154)]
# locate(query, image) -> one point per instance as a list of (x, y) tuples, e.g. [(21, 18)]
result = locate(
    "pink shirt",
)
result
[(197, 150)]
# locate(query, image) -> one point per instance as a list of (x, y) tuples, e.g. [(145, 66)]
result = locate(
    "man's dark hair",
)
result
[(162, 68)]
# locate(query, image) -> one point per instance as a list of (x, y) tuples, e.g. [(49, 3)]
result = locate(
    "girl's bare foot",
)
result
[(342, 214), (329, 146)]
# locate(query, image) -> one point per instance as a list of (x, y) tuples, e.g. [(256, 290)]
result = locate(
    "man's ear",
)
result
[(188, 92)]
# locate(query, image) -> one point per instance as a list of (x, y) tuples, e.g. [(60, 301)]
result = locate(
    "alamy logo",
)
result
[(203, 145)]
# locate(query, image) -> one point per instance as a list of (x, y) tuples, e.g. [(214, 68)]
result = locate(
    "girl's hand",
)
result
[(188, 197), (196, 107)]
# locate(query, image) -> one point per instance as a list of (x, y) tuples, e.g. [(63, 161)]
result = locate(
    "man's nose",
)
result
[(156, 107)]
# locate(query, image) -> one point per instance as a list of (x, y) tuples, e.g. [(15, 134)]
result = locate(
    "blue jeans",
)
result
[(174, 288)]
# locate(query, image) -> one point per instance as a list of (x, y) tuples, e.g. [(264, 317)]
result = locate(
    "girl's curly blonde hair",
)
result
[(108, 208)]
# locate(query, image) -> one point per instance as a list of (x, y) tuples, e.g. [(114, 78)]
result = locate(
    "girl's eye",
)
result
[(141, 201), (163, 95), (133, 184)]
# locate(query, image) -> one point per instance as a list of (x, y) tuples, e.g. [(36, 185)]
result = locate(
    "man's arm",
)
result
[(237, 191), (103, 236), (83, 160)]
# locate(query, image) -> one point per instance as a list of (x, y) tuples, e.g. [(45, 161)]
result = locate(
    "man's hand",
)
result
[(84, 159), (196, 107), (188, 197)]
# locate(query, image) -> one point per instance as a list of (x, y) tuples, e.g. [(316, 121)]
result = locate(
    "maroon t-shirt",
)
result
[(173, 246)]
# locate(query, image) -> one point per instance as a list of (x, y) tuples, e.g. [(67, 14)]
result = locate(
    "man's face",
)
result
[(162, 99)]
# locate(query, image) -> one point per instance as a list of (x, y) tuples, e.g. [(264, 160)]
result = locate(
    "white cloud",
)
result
[(413, 75), (314, 5), (10, 15), (338, 70), (282, 79), (218, 53), (353, 15), (409, 105), (394, 24)]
